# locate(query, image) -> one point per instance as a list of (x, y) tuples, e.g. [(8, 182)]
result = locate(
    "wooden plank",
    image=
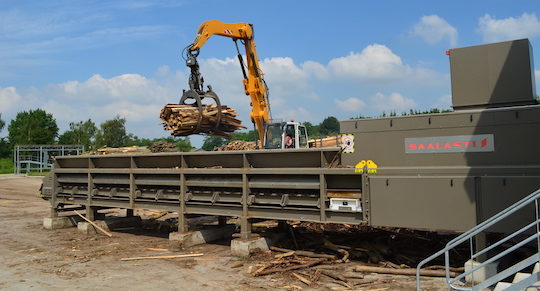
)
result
[(162, 257), (94, 225)]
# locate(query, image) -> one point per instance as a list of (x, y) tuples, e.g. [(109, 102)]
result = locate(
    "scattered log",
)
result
[(304, 253), (295, 267), (406, 272), (183, 120), (302, 279), (279, 256), (333, 275), (453, 269), (162, 257)]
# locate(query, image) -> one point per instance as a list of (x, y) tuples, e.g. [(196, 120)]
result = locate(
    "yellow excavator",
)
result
[(273, 135)]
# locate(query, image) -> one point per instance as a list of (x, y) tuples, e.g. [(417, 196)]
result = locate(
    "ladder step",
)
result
[(501, 286), (536, 268), (520, 276)]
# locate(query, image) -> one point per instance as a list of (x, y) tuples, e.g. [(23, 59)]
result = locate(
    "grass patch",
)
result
[(44, 173), (6, 166)]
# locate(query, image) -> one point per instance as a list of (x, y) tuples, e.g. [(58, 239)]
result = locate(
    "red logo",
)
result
[(450, 144)]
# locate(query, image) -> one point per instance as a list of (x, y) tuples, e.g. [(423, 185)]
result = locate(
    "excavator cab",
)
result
[(285, 135)]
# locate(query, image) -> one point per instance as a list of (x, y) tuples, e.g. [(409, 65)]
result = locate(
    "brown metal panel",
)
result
[(492, 75), (423, 202), (515, 131), (499, 192)]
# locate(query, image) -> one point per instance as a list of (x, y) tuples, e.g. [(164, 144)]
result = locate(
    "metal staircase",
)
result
[(507, 246)]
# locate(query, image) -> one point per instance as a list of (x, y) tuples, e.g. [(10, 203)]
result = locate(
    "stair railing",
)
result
[(482, 227)]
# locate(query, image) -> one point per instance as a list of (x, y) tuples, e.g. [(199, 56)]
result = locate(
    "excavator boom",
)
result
[(254, 85)]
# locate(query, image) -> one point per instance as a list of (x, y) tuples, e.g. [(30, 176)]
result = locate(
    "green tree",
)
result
[(82, 132), (6, 149), (210, 142), (33, 127), (113, 133), (250, 135), (312, 130), (329, 126), (2, 123)]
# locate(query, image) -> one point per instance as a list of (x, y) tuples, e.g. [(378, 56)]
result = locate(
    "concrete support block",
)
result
[(481, 274), (246, 247), (87, 228), (181, 240), (58, 222)]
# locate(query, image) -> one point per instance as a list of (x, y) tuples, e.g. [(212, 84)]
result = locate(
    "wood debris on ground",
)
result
[(328, 255), (182, 120)]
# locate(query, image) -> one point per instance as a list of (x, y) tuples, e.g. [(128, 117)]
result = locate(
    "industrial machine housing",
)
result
[(443, 172)]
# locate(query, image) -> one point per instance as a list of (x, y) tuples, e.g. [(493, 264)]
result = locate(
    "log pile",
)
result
[(329, 141), (238, 145), (162, 147), (121, 150), (182, 120)]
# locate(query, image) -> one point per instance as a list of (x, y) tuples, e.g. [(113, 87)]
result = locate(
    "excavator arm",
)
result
[(254, 85)]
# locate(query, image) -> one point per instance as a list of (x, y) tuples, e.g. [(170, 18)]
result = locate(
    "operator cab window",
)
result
[(273, 136), (289, 137)]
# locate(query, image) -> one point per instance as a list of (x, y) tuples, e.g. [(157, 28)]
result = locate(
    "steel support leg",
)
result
[(245, 223), (91, 212), (182, 221), (480, 244)]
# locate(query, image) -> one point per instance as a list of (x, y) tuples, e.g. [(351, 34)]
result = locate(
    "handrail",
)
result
[(468, 235)]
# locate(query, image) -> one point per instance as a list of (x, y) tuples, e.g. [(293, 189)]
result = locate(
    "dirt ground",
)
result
[(33, 258)]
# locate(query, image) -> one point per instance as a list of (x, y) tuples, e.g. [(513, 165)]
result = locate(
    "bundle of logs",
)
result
[(183, 120)]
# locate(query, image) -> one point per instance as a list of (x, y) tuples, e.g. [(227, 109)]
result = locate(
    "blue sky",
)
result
[(97, 59)]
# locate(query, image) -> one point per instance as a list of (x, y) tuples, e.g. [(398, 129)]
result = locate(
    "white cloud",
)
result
[(8, 99), (434, 29), (377, 64), (492, 29), (377, 103), (300, 114), (392, 102), (315, 69), (374, 62), (444, 102), (351, 104)]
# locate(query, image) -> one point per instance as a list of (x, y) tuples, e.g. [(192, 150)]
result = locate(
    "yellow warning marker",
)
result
[(371, 166), (359, 168)]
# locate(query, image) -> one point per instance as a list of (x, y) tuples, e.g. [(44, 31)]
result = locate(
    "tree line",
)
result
[(39, 127)]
